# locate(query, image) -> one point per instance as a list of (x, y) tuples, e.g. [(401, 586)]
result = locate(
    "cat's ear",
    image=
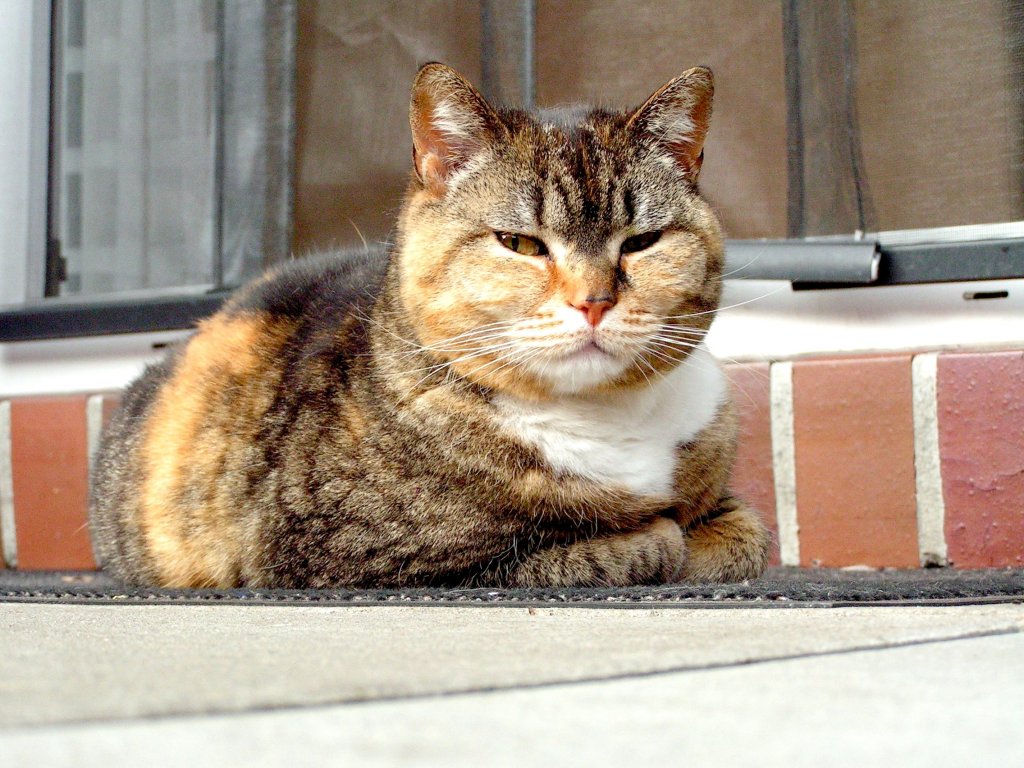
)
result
[(677, 116), (451, 122)]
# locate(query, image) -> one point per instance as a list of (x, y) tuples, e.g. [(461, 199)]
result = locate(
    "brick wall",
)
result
[(886, 461)]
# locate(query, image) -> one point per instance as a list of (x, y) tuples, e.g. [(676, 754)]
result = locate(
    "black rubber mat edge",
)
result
[(691, 603), (780, 587)]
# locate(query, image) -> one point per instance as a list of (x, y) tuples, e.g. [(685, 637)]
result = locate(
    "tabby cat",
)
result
[(517, 394)]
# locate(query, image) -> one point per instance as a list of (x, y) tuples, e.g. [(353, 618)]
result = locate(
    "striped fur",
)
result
[(344, 420)]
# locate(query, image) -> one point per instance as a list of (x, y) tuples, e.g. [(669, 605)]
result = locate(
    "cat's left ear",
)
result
[(451, 122), (677, 117)]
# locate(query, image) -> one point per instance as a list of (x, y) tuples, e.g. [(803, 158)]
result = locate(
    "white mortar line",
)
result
[(93, 426), (8, 533), (784, 462), (931, 507)]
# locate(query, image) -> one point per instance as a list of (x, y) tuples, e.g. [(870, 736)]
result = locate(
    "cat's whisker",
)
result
[(649, 367), (752, 368), (473, 333), (467, 346), (691, 343), (557, 344), (665, 358), (465, 343), (729, 306), (680, 330), (487, 330), (470, 346), (509, 363), (671, 353), (660, 353), (510, 329), (675, 341), (366, 318), (678, 347), (683, 342), (688, 338), (679, 327), (711, 366), (740, 269), (479, 352), (683, 338), (504, 353), (506, 360), (504, 336), (366, 246)]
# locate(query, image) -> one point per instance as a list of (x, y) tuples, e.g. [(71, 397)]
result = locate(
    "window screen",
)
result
[(939, 94), (196, 142), (831, 116), (355, 64), (621, 51), (135, 170), (172, 143)]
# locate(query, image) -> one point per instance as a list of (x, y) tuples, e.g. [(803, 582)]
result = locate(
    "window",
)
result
[(854, 143), (830, 155), (168, 161)]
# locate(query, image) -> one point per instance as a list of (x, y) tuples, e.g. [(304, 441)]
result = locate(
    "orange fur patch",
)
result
[(188, 437)]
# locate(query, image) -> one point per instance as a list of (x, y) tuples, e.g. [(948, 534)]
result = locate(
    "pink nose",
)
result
[(594, 307)]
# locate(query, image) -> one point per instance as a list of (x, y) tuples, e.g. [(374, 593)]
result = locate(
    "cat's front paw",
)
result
[(652, 555), (732, 546), (660, 553)]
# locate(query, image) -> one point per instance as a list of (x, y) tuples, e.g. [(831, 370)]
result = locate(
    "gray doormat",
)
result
[(778, 588)]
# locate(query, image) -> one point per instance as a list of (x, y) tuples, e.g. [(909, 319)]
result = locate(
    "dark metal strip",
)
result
[(59, 320), (843, 261), (217, 270), (1013, 24), (528, 77), (507, 51), (257, 126), (817, 265), (952, 262), (827, 190), (794, 121), (54, 270)]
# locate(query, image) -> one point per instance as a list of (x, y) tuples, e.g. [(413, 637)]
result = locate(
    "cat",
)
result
[(517, 394)]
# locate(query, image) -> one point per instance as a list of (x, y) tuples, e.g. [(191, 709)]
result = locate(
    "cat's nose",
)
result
[(594, 307)]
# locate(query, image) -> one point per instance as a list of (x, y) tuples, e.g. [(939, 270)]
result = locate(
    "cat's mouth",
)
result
[(589, 349), (580, 365)]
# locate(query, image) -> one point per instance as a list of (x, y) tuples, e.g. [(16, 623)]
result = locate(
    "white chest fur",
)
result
[(629, 438)]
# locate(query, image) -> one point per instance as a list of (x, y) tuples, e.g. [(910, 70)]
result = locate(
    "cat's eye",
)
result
[(639, 242), (524, 245)]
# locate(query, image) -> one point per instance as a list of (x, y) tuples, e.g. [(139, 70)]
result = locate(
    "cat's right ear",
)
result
[(677, 116), (451, 122)]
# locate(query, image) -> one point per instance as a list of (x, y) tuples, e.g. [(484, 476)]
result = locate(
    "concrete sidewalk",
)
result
[(226, 685)]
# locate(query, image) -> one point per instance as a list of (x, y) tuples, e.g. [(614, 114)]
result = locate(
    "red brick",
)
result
[(50, 467), (981, 439), (753, 477), (854, 434)]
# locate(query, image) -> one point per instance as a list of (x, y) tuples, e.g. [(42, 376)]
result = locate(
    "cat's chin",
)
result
[(580, 371)]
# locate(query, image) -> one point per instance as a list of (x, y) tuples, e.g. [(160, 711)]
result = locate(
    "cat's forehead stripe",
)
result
[(583, 186), (583, 198)]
